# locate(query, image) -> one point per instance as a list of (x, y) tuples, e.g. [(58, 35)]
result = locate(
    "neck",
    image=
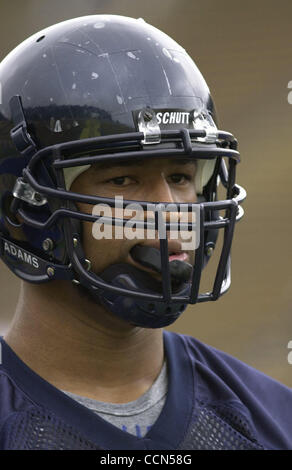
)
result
[(80, 347)]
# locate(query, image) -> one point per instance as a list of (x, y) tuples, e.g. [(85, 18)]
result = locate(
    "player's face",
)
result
[(159, 180)]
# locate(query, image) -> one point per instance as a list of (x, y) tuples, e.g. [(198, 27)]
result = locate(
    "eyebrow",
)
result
[(137, 162)]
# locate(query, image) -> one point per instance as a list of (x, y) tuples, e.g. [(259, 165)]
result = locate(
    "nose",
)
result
[(159, 191)]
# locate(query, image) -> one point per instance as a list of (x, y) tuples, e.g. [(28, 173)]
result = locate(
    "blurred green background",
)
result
[(244, 50)]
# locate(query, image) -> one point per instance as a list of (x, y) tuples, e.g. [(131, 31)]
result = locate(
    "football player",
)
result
[(115, 185)]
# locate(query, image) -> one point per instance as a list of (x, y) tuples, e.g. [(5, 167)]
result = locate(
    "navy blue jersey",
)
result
[(214, 401)]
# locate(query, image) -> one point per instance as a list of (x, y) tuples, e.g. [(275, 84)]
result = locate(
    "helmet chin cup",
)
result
[(147, 314)]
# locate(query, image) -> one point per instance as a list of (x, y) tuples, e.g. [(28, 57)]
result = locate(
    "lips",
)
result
[(182, 256), (174, 247)]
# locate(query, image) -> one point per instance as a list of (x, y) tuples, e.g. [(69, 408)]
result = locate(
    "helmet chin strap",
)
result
[(146, 314), (137, 311)]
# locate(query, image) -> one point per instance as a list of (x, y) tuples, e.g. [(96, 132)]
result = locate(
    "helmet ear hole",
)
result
[(40, 38), (151, 308)]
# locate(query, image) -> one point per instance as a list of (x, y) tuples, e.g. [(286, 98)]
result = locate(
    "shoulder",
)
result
[(221, 379), (14, 401), (13, 404), (12, 398), (230, 368)]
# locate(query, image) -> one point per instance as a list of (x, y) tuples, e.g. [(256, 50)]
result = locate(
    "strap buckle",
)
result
[(19, 133)]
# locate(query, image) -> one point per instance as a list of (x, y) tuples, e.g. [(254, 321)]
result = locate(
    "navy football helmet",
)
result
[(110, 88)]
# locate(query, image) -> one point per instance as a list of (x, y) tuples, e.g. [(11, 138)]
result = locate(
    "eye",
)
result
[(180, 178), (120, 180)]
